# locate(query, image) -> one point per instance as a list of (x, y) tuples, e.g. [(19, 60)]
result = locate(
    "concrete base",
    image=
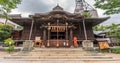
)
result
[(87, 45), (27, 46)]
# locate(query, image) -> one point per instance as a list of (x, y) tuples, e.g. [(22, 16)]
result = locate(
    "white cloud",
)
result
[(114, 19), (15, 11), (38, 6)]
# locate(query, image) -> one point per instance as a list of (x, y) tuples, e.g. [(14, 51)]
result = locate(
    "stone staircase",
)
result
[(42, 54)]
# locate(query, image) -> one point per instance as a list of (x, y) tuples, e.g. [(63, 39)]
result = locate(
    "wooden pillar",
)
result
[(71, 37), (48, 43), (57, 33), (44, 36), (67, 34)]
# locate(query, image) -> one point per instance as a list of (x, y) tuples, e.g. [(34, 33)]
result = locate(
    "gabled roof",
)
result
[(59, 13)]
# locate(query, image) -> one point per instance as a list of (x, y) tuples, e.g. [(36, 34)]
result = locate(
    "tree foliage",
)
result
[(6, 6), (9, 41), (111, 6), (5, 32), (87, 14), (100, 28), (114, 29)]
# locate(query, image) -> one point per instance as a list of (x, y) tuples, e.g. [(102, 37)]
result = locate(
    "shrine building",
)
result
[(57, 28)]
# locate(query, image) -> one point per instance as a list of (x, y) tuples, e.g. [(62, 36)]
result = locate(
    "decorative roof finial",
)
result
[(58, 8), (57, 4)]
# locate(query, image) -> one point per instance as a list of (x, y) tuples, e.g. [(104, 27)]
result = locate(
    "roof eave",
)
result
[(97, 21)]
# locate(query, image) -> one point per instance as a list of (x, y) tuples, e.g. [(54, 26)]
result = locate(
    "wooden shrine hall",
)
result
[(56, 28)]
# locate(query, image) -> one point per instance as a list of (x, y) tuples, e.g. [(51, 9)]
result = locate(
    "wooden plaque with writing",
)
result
[(103, 45)]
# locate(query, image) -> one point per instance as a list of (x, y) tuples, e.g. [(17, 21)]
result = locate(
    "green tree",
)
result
[(100, 28), (114, 29), (111, 6), (6, 6), (5, 32), (87, 14)]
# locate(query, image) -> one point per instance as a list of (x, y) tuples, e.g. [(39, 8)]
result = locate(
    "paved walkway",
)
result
[(9, 61), (101, 61), (108, 54)]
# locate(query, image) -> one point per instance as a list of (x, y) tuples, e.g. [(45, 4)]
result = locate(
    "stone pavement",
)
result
[(101, 61), (57, 61), (108, 54), (13, 61)]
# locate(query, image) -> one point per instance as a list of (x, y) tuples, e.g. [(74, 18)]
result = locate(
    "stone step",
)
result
[(54, 53), (63, 59), (48, 54), (57, 49), (57, 54), (60, 58), (60, 54)]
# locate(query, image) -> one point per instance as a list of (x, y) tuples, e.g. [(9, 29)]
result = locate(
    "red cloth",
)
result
[(75, 42)]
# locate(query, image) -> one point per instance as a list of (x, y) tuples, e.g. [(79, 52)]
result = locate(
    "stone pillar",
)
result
[(87, 44), (27, 46)]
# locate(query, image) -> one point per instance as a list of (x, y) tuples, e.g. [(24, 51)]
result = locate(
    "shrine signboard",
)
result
[(103, 45)]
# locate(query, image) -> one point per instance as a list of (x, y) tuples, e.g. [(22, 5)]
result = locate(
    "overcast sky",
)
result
[(40, 6)]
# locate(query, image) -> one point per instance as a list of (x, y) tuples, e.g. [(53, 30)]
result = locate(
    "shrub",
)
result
[(10, 43), (116, 50), (10, 48)]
